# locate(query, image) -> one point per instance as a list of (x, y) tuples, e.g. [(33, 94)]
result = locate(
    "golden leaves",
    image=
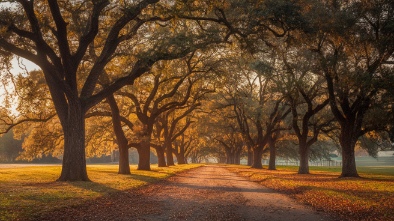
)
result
[(351, 199)]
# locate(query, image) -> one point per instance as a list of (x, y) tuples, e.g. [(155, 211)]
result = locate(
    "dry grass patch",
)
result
[(368, 198), (29, 191)]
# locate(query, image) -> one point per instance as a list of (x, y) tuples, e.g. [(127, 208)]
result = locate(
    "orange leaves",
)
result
[(350, 199)]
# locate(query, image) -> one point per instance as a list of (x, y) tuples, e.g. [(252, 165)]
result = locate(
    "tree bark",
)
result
[(350, 117), (348, 143), (170, 157), (74, 160), (349, 168), (124, 164), (304, 158), (144, 156), (181, 159), (250, 156), (229, 157), (160, 157), (181, 156), (237, 158), (257, 153), (272, 164)]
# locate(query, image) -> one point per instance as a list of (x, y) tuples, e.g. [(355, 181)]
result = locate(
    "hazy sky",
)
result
[(18, 66), (21, 65)]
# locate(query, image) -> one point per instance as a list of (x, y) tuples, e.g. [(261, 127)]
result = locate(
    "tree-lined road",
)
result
[(207, 193)]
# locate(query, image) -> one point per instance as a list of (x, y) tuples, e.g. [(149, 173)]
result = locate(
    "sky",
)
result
[(18, 66)]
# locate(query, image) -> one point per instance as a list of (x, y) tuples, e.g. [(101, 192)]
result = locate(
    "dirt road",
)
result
[(206, 193)]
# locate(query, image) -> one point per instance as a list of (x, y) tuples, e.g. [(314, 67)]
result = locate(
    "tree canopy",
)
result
[(197, 79)]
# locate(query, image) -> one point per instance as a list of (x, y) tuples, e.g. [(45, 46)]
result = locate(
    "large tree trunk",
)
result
[(74, 160), (144, 156), (257, 153), (160, 157), (348, 143), (250, 156), (349, 168), (350, 118), (233, 157), (237, 158), (124, 164), (170, 158), (304, 158), (272, 164), (181, 159), (181, 156), (228, 157)]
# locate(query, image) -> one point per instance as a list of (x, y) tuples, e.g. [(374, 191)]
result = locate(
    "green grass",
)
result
[(28, 191), (370, 197)]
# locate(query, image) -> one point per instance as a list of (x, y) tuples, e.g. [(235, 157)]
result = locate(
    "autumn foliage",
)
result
[(368, 198)]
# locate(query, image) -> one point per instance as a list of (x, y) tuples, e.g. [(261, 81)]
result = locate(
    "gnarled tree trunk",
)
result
[(257, 153), (237, 157), (250, 156), (170, 157), (272, 164), (144, 156), (160, 157), (229, 156), (350, 117), (74, 160), (124, 164), (181, 156), (348, 141), (304, 158)]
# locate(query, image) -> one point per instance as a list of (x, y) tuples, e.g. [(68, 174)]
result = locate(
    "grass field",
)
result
[(28, 191), (370, 197)]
